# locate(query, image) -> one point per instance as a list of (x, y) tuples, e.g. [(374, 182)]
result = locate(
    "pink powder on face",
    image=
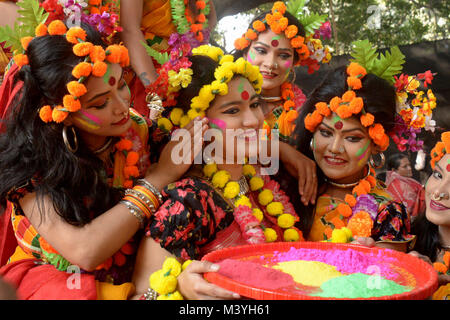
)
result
[(346, 261), (254, 274)]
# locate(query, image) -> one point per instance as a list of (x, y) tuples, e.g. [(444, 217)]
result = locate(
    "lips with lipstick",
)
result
[(268, 75), (438, 206), (123, 121), (335, 161)]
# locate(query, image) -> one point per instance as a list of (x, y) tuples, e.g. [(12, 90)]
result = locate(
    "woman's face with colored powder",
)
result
[(437, 193), (342, 148), (239, 112), (105, 107), (274, 56)]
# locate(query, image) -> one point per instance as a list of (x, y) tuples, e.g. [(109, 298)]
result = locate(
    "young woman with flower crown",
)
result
[(433, 227), (222, 203), (74, 169), (153, 22), (343, 126), (276, 42)]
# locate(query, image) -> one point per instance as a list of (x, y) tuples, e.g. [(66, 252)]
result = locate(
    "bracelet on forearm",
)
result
[(135, 211), (151, 187), (149, 295), (141, 201)]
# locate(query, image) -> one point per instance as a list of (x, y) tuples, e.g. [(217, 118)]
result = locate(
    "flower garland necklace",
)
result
[(250, 219), (184, 21)]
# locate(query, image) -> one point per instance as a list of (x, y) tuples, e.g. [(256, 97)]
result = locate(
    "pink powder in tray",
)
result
[(254, 274)]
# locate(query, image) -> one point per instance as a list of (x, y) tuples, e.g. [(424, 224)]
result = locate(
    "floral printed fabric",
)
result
[(190, 217)]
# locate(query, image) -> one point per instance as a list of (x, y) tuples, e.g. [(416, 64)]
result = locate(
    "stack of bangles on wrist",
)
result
[(142, 201)]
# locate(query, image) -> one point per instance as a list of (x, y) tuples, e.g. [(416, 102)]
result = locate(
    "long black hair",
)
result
[(291, 21), (379, 100), (427, 233), (34, 151)]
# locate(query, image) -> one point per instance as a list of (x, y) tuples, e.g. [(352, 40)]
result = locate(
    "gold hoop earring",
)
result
[(380, 165), (66, 140), (294, 75)]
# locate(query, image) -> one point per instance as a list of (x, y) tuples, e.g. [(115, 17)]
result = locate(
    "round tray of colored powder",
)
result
[(321, 271)]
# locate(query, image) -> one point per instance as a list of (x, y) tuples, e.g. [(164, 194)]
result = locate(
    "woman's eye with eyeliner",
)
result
[(325, 133), (255, 105), (354, 139), (231, 111), (437, 174), (260, 50)]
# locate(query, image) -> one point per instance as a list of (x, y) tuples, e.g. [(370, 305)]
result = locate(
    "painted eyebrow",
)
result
[(267, 46), (106, 92), (345, 131)]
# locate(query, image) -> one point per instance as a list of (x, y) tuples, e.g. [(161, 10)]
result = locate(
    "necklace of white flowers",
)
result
[(248, 218)]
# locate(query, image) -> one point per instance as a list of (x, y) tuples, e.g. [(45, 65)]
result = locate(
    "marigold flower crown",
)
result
[(278, 23), (440, 149), (347, 106), (95, 63), (223, 74)]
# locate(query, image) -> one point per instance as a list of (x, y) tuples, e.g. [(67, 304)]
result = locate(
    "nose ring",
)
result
[(439, 197)]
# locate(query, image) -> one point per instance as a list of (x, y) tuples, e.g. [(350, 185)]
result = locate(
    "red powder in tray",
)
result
[(254, 274)]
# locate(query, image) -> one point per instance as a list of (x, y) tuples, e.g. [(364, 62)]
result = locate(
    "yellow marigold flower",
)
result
[(220, 178), (209, 169), (219, 87), (265, 197), (231, 190), (285, 220), (171, 296), (248, 170), (186, 264), (192, 114), (185, 76), (206, 96), (172, 265), (275, 208), (175, 116), (184, 121), (270, 234), (243, 201), (161, 283), (226, 59), (164, 124), (256, 183), (291, 235), (224, 73), (258, 214), (339, 236), (241, 65)]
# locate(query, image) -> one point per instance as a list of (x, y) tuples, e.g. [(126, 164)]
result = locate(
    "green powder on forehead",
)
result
[(359, 285)]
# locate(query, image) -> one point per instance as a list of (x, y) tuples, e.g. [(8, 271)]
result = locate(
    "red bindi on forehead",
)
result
[(338, 125), (245, 95), (275, 43), (112, 81)]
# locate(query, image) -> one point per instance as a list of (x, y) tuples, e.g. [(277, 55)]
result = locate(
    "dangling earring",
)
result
[(380, 165), (292, 71), (311, 144), (66, 140)]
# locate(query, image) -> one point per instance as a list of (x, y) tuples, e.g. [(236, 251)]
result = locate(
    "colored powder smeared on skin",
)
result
[(359, 285), (254, 274), (346, 261), (308, 273)]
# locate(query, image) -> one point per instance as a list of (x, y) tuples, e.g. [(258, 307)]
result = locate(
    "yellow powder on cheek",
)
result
[(308, 273)]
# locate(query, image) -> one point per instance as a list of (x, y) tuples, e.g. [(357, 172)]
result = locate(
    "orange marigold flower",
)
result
[(303, 52), (250, 34), (71, 104), (199, 36), (354, 83), (276, 27), (200, 4), (372, 180), (82, 49), (21, 60), (312, 120), (366, 185), (383, 143), (328, 232), (45, 113), (76, 89), (344, 112), (59, 115), (291, 115), (124, 144), (75, 34), (241, 43), (95, 2), (445, 137), (335, 103), (95, 10), (128, 184), (440, 267), (132, 158), (361, 224), (287, 94), (288, 105), (57, 27), (196, 27), (356, 105), (367, 119), (355, 69), (97, 54), (291, 31), (279, 6), (124, 57), (376, 132), (131, 171), (201, 18), (83, 69), (40, 30), (338, 223), (344, 209), (350, 199), (446, 258), (297, 42), (359, 190), (259, 26), (99, 69), (113, 53), (283, 23), (25, 41), (348, 96), (323, 109)]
